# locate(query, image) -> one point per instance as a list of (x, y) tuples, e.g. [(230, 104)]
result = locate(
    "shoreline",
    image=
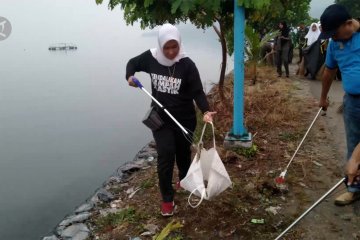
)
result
[(76, 225)]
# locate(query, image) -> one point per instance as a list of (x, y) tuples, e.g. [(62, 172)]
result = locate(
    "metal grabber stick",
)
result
[(311, 208), (281, 178), (138, 83)]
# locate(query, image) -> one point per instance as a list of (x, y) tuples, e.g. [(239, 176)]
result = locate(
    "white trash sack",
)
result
[(206, 167)]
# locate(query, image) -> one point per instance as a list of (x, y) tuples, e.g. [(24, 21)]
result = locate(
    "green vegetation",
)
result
[(146, 184), (167, 230), (247, 152), (111, 220), (213, 13), (353, 6)]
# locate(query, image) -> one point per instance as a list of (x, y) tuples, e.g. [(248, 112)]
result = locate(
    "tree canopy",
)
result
[(353, 6), (260, 14), (291, 11)]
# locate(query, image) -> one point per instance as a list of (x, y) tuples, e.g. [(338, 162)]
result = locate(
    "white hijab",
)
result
[(312, 36), (167, 32)]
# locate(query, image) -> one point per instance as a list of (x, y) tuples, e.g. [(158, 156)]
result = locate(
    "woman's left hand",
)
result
[(208, 116)]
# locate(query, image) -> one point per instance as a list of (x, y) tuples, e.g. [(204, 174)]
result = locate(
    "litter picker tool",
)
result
[(139, 85), (311, 208), (281, 178)]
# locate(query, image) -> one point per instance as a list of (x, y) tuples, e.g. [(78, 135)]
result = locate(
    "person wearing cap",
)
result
[(343, 52)]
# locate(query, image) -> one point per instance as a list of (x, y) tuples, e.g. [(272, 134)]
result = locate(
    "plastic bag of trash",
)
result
[(207, 176)]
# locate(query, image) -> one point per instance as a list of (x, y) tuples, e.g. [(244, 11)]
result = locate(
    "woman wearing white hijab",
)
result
[(176, 84), (313, 34)]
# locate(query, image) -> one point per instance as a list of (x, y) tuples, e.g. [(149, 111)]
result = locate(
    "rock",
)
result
[(71, 220), (114, 180), (135, 238), (151, 228), (144, 155), (130, 168), (249, 187), (94, 199), (75, 219), (150, 159), (152, 144), (105, 212), (76, 232), (85, 207), (53, 237), (273, 210), (105, 196), (140, 162), (126, 177), (124, 185), (115, 203)]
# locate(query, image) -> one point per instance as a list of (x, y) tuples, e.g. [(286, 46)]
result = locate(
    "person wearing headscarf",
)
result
[(313, 34), (282, 47), (176, 84), (314, 52)]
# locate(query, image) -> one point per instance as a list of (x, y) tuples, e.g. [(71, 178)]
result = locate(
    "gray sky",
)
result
[(318, 6)]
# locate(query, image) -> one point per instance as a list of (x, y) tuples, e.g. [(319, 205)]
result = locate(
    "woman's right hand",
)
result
[(131, 82)]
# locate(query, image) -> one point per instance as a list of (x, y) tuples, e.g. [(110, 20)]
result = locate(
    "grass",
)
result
[(112, 220), (147, 183), (247, 152), (289, 136)]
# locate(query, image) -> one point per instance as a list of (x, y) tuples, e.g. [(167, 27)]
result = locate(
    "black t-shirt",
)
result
[(175, 87)]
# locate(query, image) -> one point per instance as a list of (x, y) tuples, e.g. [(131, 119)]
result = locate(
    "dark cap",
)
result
[(331, 19)]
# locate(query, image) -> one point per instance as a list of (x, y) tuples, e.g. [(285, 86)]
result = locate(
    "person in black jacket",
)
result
[(176, 84), (282, 47)]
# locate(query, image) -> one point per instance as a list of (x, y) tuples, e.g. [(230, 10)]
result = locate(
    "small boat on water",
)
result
[(62, 46)]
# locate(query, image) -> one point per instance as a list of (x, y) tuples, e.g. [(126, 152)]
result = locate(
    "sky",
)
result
[(318, 6)]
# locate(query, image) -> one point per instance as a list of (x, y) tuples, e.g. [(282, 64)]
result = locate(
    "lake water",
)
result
[(68, 119)]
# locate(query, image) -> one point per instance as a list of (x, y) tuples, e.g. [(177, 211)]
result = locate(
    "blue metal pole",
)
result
[(239, 46)]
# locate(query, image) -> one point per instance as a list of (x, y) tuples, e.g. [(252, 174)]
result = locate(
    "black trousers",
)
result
[(282, 57), (171, 146), (300, 54)]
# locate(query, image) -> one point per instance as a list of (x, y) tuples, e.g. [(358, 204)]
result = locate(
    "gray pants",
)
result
[(282, 56)]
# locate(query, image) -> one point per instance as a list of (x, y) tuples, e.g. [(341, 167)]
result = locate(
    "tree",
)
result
[(202, 13), (353, 6), (207, 13), (253, 48), (291, 11)]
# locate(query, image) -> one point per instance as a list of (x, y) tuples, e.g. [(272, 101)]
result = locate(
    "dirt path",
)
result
[(327, 221)]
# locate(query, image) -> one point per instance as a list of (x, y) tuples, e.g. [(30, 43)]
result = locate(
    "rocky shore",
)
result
[(77, 225)]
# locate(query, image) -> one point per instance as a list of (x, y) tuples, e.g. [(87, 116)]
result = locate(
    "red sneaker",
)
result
[(167, 209)]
